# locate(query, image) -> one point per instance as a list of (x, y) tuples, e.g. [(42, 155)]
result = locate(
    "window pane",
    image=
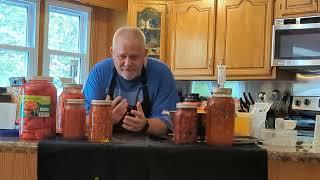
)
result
[(12, 65), (13, 25), (64, 66), (63, 32)]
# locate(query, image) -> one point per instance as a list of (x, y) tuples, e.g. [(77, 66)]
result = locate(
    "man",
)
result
[(131, 79)]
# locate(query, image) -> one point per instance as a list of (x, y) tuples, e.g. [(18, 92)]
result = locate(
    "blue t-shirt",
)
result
[(161, 87)]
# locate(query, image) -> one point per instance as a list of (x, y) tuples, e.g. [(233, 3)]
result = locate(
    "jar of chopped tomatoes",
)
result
[(70, 91), (74, 119), (38, 109), (185, 123), (100, 121)]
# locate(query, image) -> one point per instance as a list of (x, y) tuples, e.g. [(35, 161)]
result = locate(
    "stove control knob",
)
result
[(306, 102), (297, 102)]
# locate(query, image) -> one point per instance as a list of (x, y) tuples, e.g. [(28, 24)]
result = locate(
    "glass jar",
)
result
[(185, 123), (70, 91), (38, 105), (100, 121), (74, 119), (220, 118)]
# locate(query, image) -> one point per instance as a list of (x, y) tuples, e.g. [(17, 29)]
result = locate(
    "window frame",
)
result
[(32, 36), (84, 43)]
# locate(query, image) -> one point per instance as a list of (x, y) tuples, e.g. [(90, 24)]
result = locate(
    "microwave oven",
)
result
[(296, 42)]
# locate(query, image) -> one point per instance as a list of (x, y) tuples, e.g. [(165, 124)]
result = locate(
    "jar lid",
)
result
[(71, 85), (187, 105), (101, 102), (74, 101), (47, 78), (222, 91)]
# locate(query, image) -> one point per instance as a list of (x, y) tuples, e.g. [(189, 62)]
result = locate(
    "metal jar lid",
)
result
[(46, 78), (71, 85), (187, 105), (101, 102), (226, 91), (74, 101)]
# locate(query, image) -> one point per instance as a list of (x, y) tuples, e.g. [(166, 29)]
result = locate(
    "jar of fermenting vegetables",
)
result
[(74, 119), (38, 108), (220, 118), (185, 123), (100, 121), (70, 91)]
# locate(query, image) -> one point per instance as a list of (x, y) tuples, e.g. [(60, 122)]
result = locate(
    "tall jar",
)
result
[(70, 91), (74, 119), (185, 123), (100, 121), (38, 109), (220, 118)]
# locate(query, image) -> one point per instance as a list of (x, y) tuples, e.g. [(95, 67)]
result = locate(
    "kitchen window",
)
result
[(66, 45), (18, 39)]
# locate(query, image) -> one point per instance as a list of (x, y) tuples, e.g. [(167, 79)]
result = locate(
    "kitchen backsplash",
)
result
[(304, 85)]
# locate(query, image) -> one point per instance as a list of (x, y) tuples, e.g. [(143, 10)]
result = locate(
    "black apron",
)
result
[(145, 104)]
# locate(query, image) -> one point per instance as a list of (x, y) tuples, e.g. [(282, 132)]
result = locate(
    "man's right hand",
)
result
[(119, 108)]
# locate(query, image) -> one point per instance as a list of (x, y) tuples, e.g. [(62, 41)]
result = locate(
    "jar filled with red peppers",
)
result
[(74, 119), (70, 91), (100, 121), (220, 118), (38, 109), (185, 123)]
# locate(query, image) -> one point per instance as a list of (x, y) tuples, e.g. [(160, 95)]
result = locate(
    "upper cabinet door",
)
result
[(294, 7), (244, 32), (151, 18), (192, 44)]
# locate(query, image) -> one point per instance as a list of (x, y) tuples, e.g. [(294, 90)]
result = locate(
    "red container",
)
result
[(38, 109), (220, 118), (74, 119), (70, 91), (185, 123), (100, 121)]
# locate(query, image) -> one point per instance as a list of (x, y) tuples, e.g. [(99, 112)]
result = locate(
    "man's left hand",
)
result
[(137, 122)]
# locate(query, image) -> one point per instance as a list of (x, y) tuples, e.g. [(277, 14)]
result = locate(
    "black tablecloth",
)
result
[(143, 158)]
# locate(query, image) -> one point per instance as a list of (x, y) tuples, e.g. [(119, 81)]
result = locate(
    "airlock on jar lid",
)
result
[(187, 105), (46, 78), (74, 101), (101, 102), (226, 91)]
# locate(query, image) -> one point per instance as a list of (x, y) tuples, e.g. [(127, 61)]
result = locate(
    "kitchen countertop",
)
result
[(303, 154)]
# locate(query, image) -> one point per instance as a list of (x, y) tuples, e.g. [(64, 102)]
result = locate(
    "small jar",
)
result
[(70, 91), (74, 119), (38, 109), (100, 121), (220, 118), (185, 123)]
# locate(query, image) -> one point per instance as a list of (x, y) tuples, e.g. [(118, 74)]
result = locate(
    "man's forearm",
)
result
[(157, 127)]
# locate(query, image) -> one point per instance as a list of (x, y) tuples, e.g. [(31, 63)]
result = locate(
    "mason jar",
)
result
[(220, 117)]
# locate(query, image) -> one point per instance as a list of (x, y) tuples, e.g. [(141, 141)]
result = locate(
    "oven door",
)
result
[(296, 45)]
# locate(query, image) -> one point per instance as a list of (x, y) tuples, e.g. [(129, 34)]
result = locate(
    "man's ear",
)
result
[(146, 52), (111, 50)]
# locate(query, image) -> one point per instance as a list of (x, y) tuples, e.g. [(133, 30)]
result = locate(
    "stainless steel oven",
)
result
[(296, 42)]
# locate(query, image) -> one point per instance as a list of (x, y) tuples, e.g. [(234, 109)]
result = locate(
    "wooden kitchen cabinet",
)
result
[(18, 166), (152, 18), (297, 8), (193, 29), (244, 33)]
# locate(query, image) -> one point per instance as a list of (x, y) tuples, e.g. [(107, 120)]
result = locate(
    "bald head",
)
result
[(130, 33), (129, 52)]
